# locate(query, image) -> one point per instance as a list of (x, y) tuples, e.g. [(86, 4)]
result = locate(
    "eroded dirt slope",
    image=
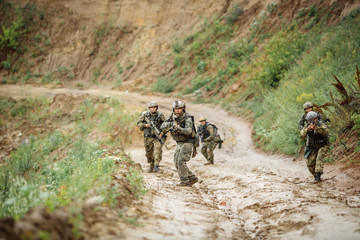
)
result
[(128, 44)]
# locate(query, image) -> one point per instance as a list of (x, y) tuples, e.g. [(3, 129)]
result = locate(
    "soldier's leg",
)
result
[(204, 150), (149, 151), (311, 161), (210, 152), (207, 154), (319, 166), (183, 156), (157, 155)]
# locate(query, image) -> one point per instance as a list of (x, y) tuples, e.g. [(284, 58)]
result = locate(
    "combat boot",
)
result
[(156, 169), (184, 184), (151, 169), (317, 178), (193, 180)]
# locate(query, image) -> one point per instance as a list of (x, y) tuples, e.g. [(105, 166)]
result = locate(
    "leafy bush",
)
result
[(280, 53), (166, 84), (14, 29)]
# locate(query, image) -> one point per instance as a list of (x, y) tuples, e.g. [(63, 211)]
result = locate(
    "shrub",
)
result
[(233, 15), (136, 183), (166, 84)]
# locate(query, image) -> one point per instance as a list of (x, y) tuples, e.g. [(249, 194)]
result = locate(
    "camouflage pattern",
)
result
[(182, 129), (308, 105), (153, 151), (315, 161), (209, 144), (153, 148), (316, 147), (303, 121), (182, 155), (207, 151)]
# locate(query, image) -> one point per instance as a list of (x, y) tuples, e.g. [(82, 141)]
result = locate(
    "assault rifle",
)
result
[(156, 132)]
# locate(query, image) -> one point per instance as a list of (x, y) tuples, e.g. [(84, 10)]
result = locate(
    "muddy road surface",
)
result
[(246, 194)]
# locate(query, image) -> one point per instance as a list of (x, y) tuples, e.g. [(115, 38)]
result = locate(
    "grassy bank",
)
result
[(272, 73), (67, 152)]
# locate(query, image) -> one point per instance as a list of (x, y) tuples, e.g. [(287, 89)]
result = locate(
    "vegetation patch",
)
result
[(62, 165)]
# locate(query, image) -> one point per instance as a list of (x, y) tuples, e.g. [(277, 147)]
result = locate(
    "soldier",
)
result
[(208, 136), (316, 144), (308, 106), (182, 129), (153, 146)]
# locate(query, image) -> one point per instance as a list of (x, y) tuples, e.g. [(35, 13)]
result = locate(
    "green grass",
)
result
[(277, 71), (58, 168), (337, 51)]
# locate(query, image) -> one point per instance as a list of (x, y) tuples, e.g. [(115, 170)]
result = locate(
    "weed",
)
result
[(176, 46), (166, 84), (117, 82), (47, 78), (95, 75), (136, 183), (119, 68), (233, 15)]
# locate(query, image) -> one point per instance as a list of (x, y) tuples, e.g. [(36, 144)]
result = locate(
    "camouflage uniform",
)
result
[(302, 121), (316, 147), (208, 139), (153, 148), (184, 147)]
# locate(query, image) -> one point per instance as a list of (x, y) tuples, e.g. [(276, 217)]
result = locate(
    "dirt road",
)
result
[(246, 194)]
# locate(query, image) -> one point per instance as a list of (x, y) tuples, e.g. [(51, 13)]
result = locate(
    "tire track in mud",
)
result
[(245, 195)]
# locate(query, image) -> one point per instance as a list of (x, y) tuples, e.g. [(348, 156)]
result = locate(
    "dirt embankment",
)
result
[(128, 44), (246, 194)]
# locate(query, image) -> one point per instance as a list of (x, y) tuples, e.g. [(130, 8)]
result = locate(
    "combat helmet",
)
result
[(153, 104), (178, 104), (311, 116), (308, 105), (202, 119)]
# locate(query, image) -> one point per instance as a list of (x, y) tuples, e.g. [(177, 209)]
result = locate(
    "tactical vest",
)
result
[(316, 140), (203, 132), (178, 137), (155, 118)]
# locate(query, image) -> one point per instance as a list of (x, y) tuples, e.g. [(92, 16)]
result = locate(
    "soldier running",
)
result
[(182, 129), (316, 144), (153, 145), (207, 135)]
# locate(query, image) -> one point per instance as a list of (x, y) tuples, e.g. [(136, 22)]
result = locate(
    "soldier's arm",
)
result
[(162, 120), (322, 129), (303, 131), (210, 129), (187, 130), (166, 125), (301, 123), (141, 122)]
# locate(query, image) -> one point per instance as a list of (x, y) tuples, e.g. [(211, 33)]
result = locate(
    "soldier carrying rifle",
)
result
[(317, 144), (209, 138), (150, 122), (182, 128)]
